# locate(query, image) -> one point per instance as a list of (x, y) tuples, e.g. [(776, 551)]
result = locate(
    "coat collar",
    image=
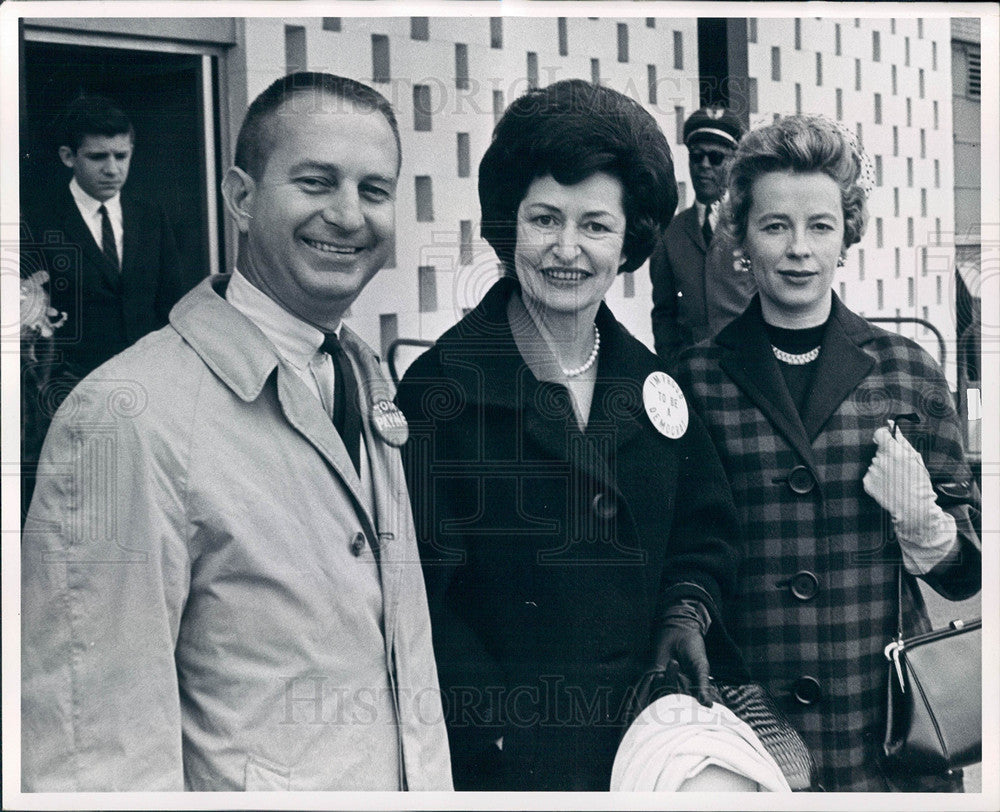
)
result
[(842, 365), (239, 354), (483, 339), (229, 343), (688, 220), (480, 349)]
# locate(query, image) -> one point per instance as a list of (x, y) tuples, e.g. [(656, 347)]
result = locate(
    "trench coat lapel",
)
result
[(235, 349), (391, 500), (749, 362), (307, 416), (841, 366)]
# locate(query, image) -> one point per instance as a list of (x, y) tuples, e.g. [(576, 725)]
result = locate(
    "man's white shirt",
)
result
[(89, 209)]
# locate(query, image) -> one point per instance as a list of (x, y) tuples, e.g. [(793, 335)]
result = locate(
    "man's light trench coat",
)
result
[(208, 602)]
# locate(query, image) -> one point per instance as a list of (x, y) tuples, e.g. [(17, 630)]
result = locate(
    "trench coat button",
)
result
[(806, 690), (604, 506), (804, 585), (358, 543), (800, 480)]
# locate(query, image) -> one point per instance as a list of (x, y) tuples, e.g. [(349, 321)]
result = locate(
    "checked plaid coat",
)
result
[(816, 603)]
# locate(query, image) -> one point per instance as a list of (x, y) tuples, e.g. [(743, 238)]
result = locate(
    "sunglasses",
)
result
[(696, 156)]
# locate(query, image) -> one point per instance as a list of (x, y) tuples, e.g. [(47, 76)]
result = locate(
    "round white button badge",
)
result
[(389, 423), (665, 404)]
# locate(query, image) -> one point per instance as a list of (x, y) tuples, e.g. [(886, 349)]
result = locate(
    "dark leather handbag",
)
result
[(750, 703), (934, 721)]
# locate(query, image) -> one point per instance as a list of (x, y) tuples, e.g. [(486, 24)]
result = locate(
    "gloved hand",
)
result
[(898, 480), (681, 640)]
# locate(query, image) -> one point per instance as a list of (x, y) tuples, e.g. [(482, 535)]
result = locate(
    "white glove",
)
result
[(898, 480)]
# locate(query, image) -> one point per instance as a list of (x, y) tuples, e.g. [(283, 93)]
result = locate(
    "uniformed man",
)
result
[(697, 290)]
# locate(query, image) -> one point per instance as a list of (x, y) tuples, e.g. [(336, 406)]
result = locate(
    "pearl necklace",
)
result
[(572, 373), (796, 360)]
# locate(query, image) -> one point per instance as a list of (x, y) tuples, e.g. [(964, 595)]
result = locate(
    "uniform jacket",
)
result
[(207, 602), (106, 310), (549, 552), (696, 291), (817, 586)]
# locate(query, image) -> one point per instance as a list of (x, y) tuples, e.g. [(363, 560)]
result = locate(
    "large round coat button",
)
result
[(358, 543), (800, 480), (604, 506), (804, 585), (806, 691)]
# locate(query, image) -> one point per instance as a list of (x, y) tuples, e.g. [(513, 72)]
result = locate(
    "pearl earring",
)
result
[(841, 260), (744, 264)]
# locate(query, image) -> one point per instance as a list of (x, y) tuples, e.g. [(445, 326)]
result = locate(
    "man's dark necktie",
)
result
[(346, 417), (706, 230), (108, 246)]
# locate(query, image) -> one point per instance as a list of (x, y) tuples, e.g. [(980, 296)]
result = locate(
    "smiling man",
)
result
[(224, 592)]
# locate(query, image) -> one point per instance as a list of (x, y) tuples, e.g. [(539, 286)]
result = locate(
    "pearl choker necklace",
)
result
[(796, 360), (572, 373)]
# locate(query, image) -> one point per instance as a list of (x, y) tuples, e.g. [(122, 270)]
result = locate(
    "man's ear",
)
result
[(238, 190), (67, 155)]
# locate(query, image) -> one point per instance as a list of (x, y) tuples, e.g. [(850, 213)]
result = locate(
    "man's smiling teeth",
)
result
[(565, 274), (331, 248)]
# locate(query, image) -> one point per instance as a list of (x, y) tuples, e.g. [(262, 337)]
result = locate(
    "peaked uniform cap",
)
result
[(715, 124)]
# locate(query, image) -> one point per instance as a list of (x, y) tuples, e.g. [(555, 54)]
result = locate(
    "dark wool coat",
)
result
[(549, 552), (107, 311), (817, 585)]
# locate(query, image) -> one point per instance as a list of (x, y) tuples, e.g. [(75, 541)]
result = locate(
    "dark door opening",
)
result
[(162, 94)]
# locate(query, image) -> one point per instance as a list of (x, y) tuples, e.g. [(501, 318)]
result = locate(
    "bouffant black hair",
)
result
[(571, 130)]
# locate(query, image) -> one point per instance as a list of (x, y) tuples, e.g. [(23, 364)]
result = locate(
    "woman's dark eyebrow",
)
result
[(593, 213)]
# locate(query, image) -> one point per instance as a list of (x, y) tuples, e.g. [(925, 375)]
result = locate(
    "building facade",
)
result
[(449, 78)]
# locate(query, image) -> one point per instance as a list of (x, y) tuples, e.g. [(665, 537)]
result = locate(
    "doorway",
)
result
[(163, 95)]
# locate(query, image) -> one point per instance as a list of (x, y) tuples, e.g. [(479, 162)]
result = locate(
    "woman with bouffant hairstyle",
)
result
[(575, 530)]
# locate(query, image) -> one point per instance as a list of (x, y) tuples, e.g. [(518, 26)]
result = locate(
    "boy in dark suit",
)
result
[(111, 258), (126, 273)]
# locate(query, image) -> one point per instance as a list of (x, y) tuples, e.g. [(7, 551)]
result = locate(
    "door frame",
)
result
[(214, 96)]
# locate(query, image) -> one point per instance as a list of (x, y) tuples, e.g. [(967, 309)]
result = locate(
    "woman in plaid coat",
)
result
[(802, 397)]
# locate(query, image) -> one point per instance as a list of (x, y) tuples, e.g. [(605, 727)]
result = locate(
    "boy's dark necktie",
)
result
[(108, 246)]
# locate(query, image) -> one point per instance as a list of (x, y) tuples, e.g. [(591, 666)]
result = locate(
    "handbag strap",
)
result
[(899, 603)]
